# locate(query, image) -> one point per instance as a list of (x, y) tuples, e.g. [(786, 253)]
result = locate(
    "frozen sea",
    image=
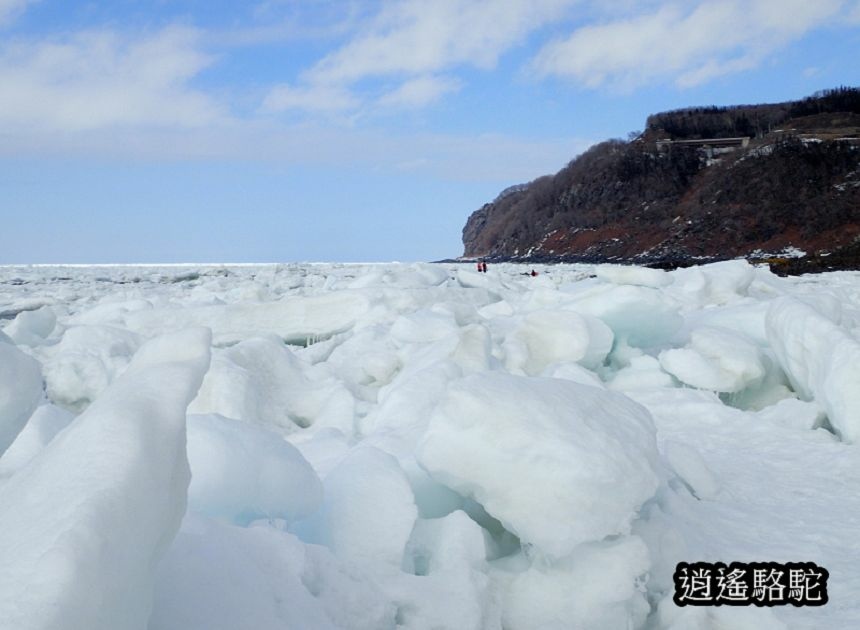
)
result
[(422, 446)]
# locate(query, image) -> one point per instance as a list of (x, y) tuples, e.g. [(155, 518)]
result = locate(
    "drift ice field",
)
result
[(370, 447)]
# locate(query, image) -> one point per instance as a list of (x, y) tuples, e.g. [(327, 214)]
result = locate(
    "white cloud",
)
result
[(10, 9), (417, 37), (468, 157), (312, 98), (419, 92), (100, 78), (290, 21), (686, 45), (414, 40)]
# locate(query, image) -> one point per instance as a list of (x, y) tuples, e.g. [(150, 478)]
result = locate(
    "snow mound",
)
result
[(241, 472), (821, 359), (20, 392), (112, 491), (557, 462)]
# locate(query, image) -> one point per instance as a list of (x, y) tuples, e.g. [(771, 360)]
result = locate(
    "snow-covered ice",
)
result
[(20, 391), (85, 522), (558, 463), (417, 446)]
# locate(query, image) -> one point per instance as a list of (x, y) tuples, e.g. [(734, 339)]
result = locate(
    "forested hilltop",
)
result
[(777, 182)]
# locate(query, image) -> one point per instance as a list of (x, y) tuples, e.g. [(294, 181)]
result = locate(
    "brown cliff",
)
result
[(761, 181)]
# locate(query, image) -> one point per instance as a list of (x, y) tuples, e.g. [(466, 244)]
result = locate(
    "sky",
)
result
[(339, 130)]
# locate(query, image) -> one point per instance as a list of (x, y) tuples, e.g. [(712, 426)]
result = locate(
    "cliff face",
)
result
[(670, 196)]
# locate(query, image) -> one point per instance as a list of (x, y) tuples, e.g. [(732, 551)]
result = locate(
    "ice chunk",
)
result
[(43, 425), (322, 449), (791, 412), (447, 544), (716, 283), (474, 280), (241, 472), (85, 361), (222, 577), (716, 359), (671, 617), (404, 408), (367, 358), (576, 373), (496, 309), (821, 360), (110, 313), (728, 279), (630, 274), (423, 327), (368, 511), (84, 524), (643, 372), (263, 381), (31, 328), (20, 391), (640, 316), (558, 463), (547, 337), (448, 556), (689, 465), (599, 587), (474, 352), (294, 319)]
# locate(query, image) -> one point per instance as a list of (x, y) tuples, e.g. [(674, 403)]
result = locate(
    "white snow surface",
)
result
[(417, 446)]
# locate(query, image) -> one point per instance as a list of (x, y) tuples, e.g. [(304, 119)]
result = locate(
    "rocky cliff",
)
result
[(778, 182)]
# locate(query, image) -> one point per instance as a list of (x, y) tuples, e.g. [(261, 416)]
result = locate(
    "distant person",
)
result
[(480, 266), (533, 273), (484, 267)]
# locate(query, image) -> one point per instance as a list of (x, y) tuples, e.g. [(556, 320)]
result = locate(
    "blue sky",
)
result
[(298, 130)]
